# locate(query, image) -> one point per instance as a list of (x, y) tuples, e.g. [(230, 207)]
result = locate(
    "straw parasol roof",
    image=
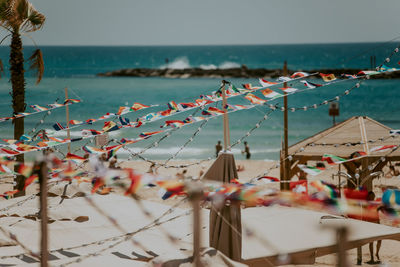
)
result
[(351, 132)]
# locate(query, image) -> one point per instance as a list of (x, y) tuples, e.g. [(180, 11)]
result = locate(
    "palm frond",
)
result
[(37, 64), (6, 13), (20, 15), (34, 20)]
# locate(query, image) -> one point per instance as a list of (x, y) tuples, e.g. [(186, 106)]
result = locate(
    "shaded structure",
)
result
[(356, 134), (225, 221)]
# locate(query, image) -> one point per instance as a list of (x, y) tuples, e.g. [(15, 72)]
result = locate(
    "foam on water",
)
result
[(228, 65), (184, 63), (208, 67), (178, 64)]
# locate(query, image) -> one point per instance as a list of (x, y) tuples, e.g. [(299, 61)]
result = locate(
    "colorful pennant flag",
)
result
[(284, 79), (110, 126), (38, 108), (332, 159), (348, 76), (148, 134), (75, 122), (123, 110), (382, 148), (9, 194), (215, 111), (265, 83), (255, 99), (71, 101), (138, 106), (299, 74), (93, 150), (268, 93), (288, 89), (310, 170), (58, 126), (310, 85), (75, 158), (172, 105), (328, 77), (299, 186)]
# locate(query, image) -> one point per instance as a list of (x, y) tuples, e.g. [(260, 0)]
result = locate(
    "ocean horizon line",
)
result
[(205, 45)]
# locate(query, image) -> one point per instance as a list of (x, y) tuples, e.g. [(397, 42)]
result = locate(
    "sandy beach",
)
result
[(251, 169)]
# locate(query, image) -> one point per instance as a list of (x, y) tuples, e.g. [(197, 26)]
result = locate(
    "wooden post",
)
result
[(286, 167), (196, 231), (44, 253), (339, 185), (227, 140), (195, 193), (67, 116), (341, 237)]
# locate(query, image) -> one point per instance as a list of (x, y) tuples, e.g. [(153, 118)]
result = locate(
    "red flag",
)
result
[(299, 186)]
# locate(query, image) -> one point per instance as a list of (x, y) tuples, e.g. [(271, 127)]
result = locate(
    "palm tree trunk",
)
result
[(18, 94)]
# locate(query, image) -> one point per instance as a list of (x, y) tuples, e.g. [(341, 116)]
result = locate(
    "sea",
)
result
[(75, 68)]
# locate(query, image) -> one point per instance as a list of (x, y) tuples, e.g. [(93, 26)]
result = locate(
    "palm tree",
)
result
[(19, 17)]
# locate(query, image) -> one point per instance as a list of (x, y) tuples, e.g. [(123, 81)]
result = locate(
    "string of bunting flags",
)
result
[(40, 109), (248, 193), (173, 108), (324, 196), (18, 147), (122, 111), (109, 126)]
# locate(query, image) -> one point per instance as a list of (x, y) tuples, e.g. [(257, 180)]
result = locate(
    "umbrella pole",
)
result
[(285, 185), (227, 141), (44, 254)]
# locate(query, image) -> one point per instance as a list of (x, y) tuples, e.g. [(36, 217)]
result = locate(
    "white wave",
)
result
[(178, 64), (269, 150), (208, 67), (64, 133), (228, 65), (183, 63)]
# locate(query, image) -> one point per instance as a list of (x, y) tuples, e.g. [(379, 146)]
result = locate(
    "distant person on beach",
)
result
[(392, 172), (246, 150), (218, 148), (181, 175), (114, 163), (373, 219), (152, 169), (371, 197), (240, 168)]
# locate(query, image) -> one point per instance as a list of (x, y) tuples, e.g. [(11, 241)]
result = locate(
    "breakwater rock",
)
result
[(242, 72)]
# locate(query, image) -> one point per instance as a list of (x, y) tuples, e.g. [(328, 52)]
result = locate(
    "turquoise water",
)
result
[(75, 68)]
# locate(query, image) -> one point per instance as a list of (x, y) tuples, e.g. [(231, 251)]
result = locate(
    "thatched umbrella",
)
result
[(225, 221)]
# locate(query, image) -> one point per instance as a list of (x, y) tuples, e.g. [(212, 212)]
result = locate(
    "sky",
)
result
[(216, 22)]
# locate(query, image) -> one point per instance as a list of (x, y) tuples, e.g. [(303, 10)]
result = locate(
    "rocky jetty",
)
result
[(242, 72)]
